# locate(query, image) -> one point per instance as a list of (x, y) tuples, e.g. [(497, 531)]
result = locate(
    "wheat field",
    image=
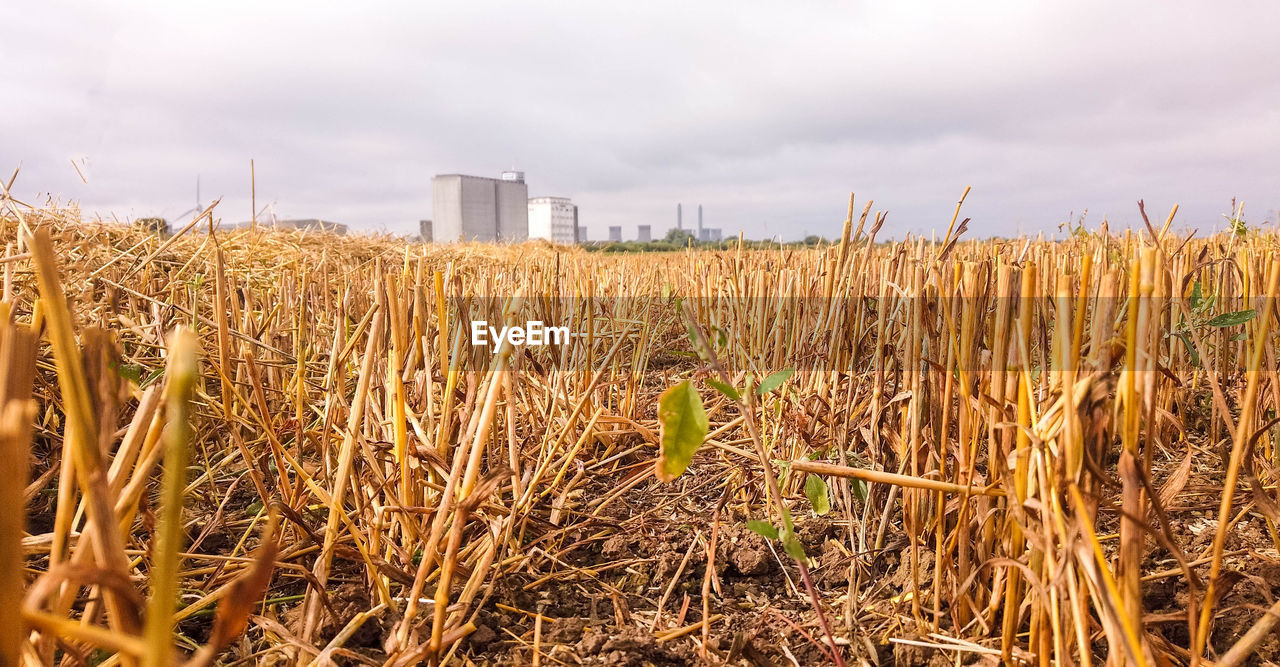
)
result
[(254, 446)]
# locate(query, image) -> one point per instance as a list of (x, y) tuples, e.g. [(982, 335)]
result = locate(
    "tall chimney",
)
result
[(679, 217), (699, 222)]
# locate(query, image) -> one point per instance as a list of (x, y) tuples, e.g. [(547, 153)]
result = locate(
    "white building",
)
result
[(474, 208), (554, 219)]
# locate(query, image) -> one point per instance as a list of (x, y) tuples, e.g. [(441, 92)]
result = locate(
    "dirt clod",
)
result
[(748, 553)]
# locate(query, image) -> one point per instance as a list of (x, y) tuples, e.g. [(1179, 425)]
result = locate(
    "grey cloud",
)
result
[(766, 114)]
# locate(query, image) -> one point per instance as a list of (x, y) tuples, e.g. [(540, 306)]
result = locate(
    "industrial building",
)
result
[(700, 233), (424, 231), (554, 219), (644, 233), (615, 233), (475, 208), (707, 234), (703, 235)]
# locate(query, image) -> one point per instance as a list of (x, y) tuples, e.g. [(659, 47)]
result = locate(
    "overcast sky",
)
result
[(768, 113)]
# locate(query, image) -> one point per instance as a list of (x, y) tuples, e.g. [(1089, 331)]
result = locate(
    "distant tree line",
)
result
[(679, 239)]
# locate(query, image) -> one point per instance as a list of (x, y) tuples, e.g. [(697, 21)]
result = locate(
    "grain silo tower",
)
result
[(475, 208)]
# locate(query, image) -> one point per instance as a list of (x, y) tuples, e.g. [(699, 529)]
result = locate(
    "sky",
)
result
[(767, 114)]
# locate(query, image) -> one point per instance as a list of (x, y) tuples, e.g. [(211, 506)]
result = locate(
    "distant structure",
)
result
[(313, 224), (615, 233), (708, 234), (158, 226), (424, 231), (644, 233), (554, 219), (475, 208), (306, 224), (699, 233)]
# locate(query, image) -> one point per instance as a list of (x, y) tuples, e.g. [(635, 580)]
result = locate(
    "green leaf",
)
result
[(774, 381), (254, 508), (860, 489), (692, 334), (130, 372), (1243, 335), (155, 375), (728, 391), (794, 548), (1232, 319), (784, 469), (684, 427), (763, 529), (1197, 296), (718, 337), (1191, 349), (816, 491)]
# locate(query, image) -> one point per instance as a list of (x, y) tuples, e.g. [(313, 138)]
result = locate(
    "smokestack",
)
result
[(699, 222), (679, 217)]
